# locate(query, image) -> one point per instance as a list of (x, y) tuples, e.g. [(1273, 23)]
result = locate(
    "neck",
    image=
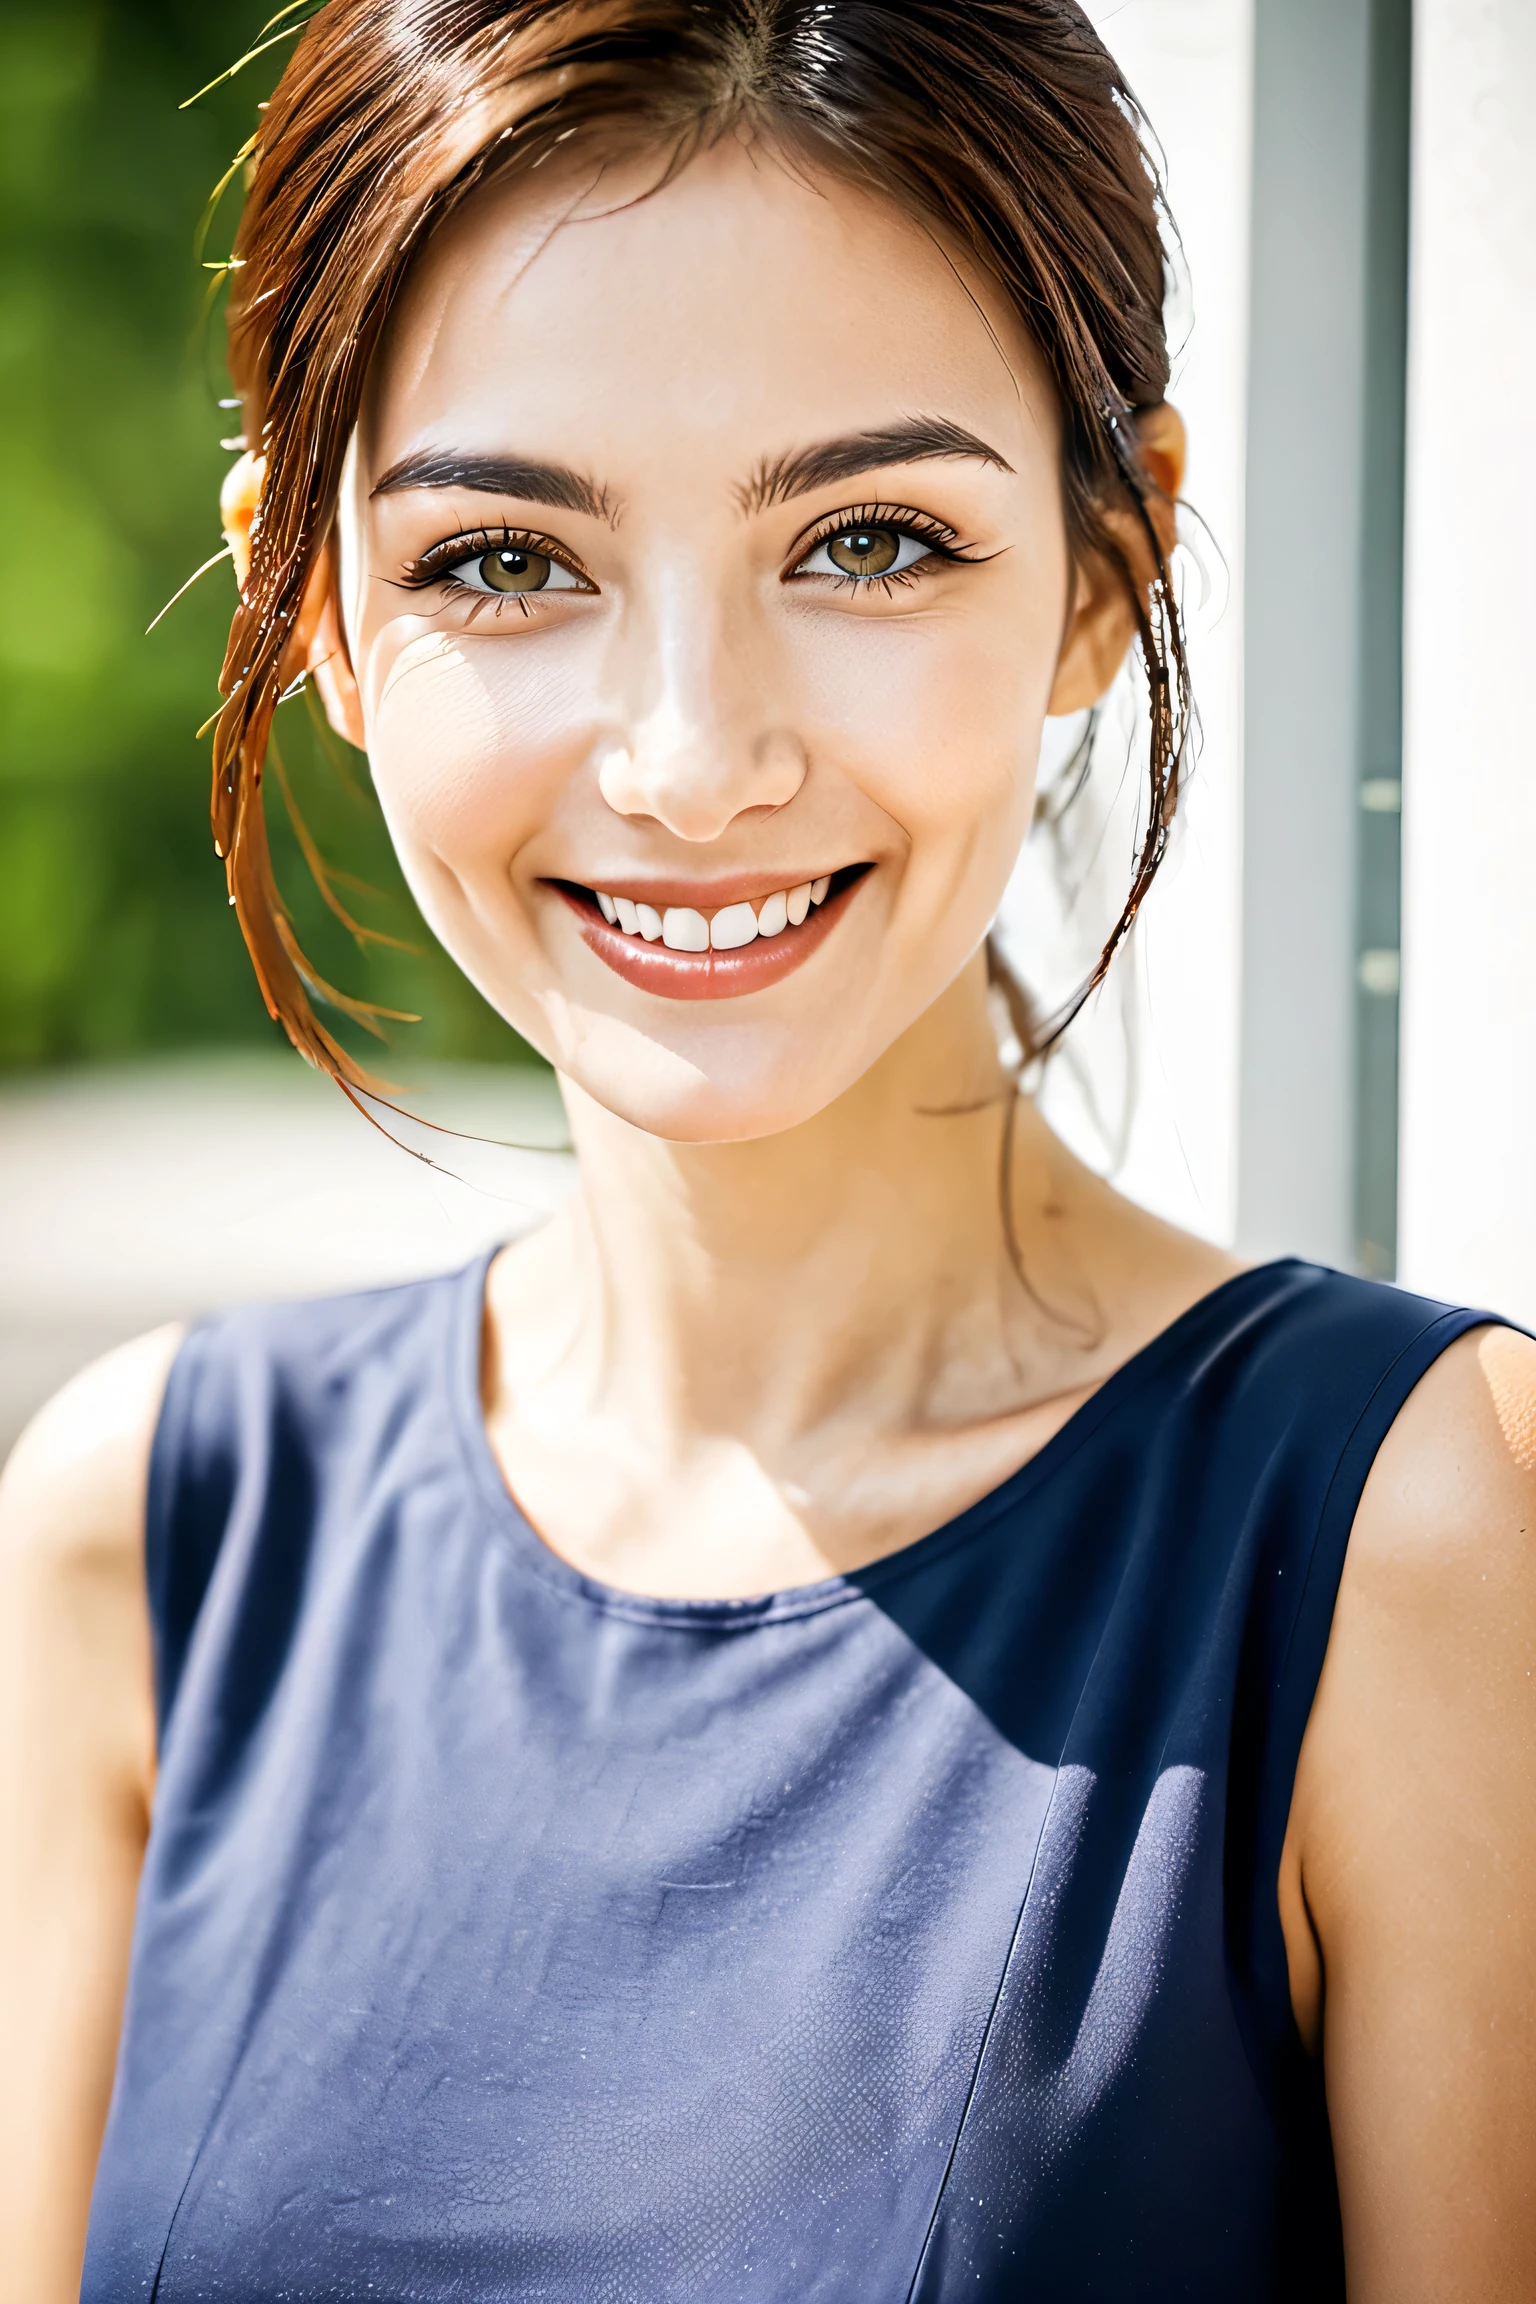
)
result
[(730, 1368), (764, 1288)]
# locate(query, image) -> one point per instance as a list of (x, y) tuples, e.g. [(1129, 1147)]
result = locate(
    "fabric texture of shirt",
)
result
[(905, 1938)]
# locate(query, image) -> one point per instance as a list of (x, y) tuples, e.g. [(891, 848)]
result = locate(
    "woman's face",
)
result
[(705, 577)]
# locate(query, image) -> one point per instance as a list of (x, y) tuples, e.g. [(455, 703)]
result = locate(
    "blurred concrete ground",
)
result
[(135, 1194)]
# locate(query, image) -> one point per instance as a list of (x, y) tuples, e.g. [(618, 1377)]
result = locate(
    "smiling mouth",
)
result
[(701, 952)]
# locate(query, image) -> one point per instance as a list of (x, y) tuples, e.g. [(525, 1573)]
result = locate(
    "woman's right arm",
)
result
[(77, 1760)]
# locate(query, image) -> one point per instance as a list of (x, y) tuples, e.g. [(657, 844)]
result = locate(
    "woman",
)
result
[(694, 448)]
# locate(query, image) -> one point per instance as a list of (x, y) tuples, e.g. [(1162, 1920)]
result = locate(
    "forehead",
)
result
[(744, 306)]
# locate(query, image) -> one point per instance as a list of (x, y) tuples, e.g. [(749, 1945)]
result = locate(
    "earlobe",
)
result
[(1164, 447), (318, 645), (1100, 630), (238, 500)]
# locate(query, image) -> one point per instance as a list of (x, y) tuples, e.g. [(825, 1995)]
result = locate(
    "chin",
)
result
[(734, 1084)]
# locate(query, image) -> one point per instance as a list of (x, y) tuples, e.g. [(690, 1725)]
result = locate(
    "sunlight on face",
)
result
[(705, 574)]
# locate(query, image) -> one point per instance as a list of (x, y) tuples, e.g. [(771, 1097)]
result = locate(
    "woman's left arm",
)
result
[(1408, 1888)]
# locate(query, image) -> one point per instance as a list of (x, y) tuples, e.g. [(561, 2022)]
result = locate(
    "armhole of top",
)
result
[(173, 1586), (1306, 1644), (1302, 1665)]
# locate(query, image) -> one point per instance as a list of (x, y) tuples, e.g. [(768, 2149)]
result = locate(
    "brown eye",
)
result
[(864, 551), (516, 569), (513, 570), (867, 550)]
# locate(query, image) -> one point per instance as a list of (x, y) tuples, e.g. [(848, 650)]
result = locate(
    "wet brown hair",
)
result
[(1004, 124)]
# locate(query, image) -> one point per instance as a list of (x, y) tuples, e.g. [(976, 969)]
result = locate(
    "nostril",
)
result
[(696, 788)]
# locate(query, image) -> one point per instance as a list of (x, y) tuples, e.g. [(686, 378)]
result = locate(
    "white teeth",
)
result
[(684, 930), (735, 926)]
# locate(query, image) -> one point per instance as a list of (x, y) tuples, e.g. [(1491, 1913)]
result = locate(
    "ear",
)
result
[(1102, 622), (318, 644)]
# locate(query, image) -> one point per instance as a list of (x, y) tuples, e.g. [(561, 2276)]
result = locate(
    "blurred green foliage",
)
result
[(115, 933)]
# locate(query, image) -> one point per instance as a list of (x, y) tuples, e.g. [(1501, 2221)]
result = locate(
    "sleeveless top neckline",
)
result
[(745, 1613), (504, 1934)]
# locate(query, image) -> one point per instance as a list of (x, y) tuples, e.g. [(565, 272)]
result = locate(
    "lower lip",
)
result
[(707, 975)]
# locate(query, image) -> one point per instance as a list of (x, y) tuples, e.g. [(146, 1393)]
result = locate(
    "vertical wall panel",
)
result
[(1306, 425), (1378, 969)]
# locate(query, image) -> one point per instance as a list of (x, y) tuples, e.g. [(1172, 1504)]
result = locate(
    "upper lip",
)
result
[(706, 896)]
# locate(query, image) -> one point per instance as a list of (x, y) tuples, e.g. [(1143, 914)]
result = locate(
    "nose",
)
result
[(697, 743)]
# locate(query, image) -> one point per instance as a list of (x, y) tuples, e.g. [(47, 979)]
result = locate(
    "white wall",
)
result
[(1189, 62), (1468, 1151)]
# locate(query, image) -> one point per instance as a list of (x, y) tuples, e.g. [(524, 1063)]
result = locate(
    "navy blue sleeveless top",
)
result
[(905, 1938)]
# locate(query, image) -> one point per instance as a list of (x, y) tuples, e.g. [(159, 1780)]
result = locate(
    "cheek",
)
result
[(471, 757), (469, 751), (940, 718)]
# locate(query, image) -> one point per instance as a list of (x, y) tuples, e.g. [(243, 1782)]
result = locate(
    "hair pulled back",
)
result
[(1003, 123)]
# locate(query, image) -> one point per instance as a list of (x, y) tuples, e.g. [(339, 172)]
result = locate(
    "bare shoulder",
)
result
[(1439, 1582), (72, 1492), (1433, 1649), (1409, 1884), (1466, 1437), (72, 1589)]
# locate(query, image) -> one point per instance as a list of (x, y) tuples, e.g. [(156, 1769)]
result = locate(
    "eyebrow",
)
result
[(536, 483), (915, 440)]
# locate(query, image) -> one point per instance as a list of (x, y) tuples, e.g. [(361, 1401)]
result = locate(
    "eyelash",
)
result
[(942, 541), (472, 544), (943, 545)]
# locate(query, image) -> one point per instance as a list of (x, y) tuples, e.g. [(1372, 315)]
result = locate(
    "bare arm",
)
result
[(77, 1749), (1408, 1887)]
